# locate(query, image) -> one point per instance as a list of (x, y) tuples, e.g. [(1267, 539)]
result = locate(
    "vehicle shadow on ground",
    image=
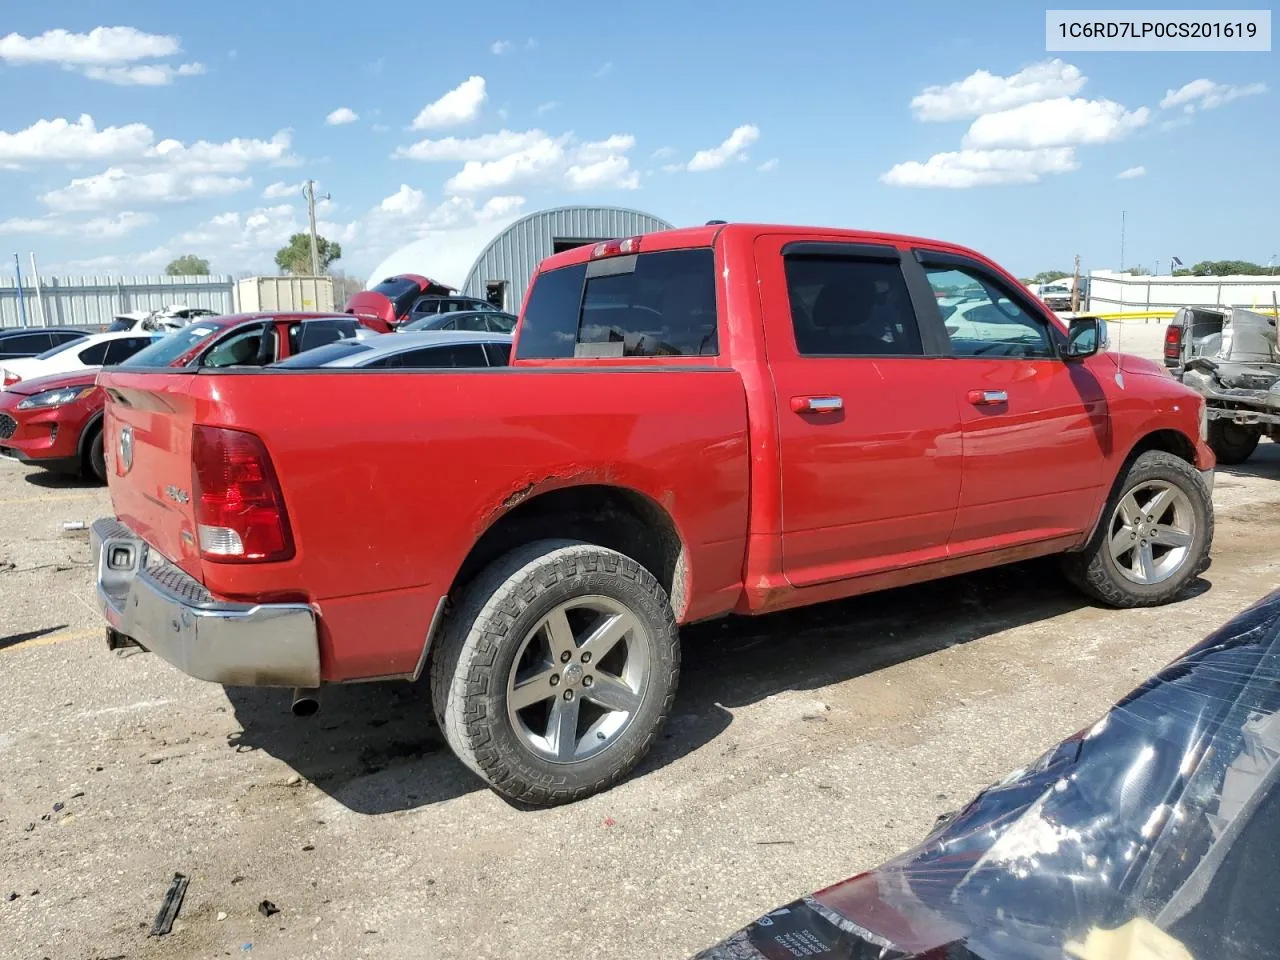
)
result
[(51, 480), (376, 748), (1265, 463)]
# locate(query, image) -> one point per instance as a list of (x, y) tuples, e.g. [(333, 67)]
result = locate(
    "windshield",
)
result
[(53, 352), (323, 355), (169, 348)]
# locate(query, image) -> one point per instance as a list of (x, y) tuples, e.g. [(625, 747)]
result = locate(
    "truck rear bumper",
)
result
[(159, 607)]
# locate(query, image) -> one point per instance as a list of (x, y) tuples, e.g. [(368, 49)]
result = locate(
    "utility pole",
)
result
[(22, 303), (309, 191), (1122, 241), (1075, 287)]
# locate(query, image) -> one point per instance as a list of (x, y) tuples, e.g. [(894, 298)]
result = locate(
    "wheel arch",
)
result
[(608, 515), (91, 426)]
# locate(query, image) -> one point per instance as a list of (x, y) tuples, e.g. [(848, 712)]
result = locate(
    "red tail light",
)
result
[(1173, 342), (10, 378), (616, 248), (240, 513)]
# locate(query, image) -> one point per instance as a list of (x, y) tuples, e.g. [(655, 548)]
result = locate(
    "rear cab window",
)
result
[(656, 304)]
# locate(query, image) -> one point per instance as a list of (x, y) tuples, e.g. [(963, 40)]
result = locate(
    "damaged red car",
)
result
[(386, 305)]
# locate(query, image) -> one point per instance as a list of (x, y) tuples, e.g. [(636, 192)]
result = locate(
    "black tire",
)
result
[(483, 634), (95, 460), (1232, 443), (1094, 571)]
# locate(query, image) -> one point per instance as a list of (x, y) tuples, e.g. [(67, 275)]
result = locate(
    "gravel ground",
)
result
[(805, 747)]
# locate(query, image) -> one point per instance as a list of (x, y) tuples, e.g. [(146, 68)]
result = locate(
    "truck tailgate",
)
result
[(147, 439)]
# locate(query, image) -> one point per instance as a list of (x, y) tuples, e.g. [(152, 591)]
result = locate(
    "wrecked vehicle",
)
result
[(720, 419), (1229, 356), (1149, 834)]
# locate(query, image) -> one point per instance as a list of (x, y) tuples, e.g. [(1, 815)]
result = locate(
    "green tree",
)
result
[(1224, 268), (1138, 271), (1048, 276), (295, 257), (188, 265)]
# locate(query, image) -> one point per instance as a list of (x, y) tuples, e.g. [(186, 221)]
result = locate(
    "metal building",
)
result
[(501, 268)]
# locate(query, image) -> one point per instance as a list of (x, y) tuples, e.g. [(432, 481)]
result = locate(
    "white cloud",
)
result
[(1205, 94), (499, 47), (99, 228), (663, 153), (612, 171), (499, 207), (769, 165), (1174, 124), (66, 140), (25, 225), (150, 261), (340, 116), (102, 45), (1064, 121), (489, 146), (733, 147), (279, 190), (232, 156), (460, 105), (672, 167), (983, 92), (499, 160), (119, 187), (243, 240), (977, 168), (1132, 173), (144, 74), (548, 106), (405, 202), (538, 160), (603, 149)]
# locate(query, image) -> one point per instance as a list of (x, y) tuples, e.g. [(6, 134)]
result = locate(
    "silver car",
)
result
[(428, 349)]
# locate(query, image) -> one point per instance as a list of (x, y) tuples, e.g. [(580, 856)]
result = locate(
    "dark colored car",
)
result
[(56, 421), (477, 321), (1149, 834), (22, 342), (389, 303)]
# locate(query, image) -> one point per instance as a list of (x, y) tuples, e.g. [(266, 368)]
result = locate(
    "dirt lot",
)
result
[(804, 748)]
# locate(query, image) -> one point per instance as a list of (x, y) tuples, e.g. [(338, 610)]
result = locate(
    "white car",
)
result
[(93, 350)]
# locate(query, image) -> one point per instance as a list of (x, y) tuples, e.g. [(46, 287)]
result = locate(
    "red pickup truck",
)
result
[(704, 421)]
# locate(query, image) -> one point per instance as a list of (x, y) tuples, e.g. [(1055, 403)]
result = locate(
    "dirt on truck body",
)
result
[(1230, 356)]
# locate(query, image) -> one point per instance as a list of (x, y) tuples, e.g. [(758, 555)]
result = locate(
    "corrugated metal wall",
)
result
[(514, 254), (92, 301), (1110, 291)]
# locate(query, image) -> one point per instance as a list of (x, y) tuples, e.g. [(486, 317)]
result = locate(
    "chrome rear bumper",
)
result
[(163, 610)]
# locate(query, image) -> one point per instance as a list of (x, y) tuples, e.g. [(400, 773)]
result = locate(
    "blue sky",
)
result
[(947, 120)]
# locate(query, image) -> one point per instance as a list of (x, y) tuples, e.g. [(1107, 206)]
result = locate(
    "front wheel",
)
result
[(1154, 537), (95, 460), (1231, 443), (556, 671)]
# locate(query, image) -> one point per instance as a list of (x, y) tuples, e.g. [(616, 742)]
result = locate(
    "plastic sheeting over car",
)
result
[(1149, 835)]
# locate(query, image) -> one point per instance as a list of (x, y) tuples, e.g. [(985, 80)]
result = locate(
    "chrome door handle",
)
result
[(817, 404), (986, 398)]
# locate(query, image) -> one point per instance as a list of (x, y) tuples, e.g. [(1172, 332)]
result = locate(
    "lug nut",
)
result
[(568, 694), (586, 656), (555, 679), (587, 681), (565, 657)]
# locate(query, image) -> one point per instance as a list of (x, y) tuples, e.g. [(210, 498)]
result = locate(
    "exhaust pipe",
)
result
[(306, 701)]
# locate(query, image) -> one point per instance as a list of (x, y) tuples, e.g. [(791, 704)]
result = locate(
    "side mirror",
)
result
[(1085, 337)]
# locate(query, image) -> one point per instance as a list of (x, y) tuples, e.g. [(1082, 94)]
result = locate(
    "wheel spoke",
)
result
[(1158, 504), (1146, 562), (533, 690), (1122, 542), (1130, 510), (562, 728), (560, 636), (606, 636), (612, 694), (1167, 536)]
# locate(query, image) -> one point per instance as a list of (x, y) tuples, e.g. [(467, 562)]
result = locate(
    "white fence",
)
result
[(93, 301), (1114, 292)]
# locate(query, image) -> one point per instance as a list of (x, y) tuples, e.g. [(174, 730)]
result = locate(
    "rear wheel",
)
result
[(1154, 537), (95, 461), (556, 671), (1231, 442)]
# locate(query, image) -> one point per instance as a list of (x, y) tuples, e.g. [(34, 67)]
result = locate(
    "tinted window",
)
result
[(500, 322), (452, 355), (94, 355), (399, 291), (24, 345), (499, 354), (64, 336), (121, 350), (665, 307), (322, 355), (169, 348), (843, 307), (121, 325), (473, 322), (428, 306), (983, 320), (549, 324), (317, 333), (67, 345)]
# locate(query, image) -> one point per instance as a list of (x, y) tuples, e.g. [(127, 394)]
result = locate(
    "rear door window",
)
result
[(659, 304), (121, 350), (499, 354), (473, 322), (316, 333), (451, 355), (500, 322), (94, 355), (24, 345), (849, 307)]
